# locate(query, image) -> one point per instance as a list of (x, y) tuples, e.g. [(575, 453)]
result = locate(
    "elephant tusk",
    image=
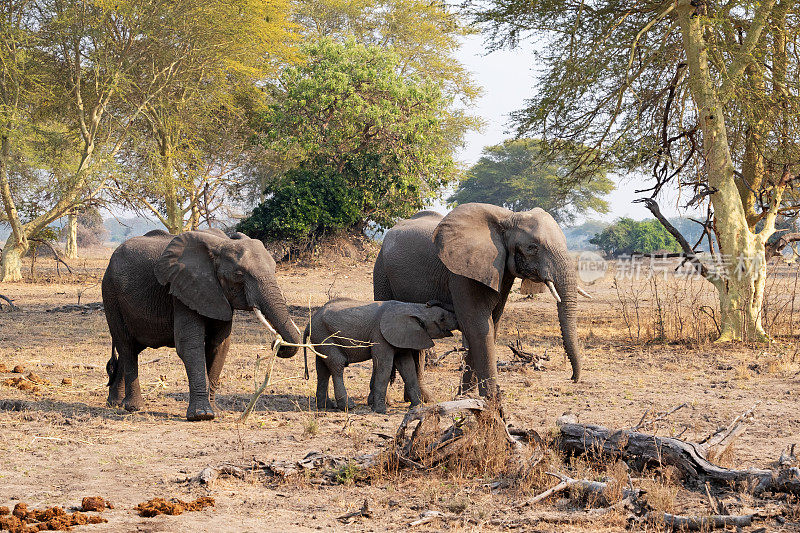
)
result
[(584, 293), (264, 321), (553, 291)]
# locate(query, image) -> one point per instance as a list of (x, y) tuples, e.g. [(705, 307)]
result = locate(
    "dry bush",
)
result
[(660, 306), (661, 494)]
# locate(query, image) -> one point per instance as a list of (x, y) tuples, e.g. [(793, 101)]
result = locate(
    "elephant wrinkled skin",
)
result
[(390, 333), (180, 291), (469, 259)]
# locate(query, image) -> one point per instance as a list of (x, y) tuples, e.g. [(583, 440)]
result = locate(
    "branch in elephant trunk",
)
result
[(553, 291)]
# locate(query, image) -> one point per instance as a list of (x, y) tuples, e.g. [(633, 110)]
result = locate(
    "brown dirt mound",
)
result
[(95, 503), (19, 369), (23, 520), (21, 384), (341, 249), (158, 506)]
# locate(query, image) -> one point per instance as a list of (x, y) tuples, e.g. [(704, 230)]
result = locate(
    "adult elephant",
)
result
[(180, 291), (470, 259)]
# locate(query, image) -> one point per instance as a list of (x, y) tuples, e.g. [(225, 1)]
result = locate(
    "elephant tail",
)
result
[(306, 333), (112, 367)]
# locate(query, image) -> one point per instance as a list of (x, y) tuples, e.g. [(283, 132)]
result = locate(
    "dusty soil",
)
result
[(65, 444)]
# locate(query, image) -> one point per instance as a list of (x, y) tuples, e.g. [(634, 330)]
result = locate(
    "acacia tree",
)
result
[(518, 175), (702, 93), (194, 136), (87, 52)]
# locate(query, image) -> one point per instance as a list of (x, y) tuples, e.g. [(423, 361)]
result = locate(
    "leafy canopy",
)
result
[(349, 119), (627, 236), (517, 175)]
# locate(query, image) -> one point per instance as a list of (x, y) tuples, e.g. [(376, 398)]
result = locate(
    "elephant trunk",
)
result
[(567, 286), (271, 305)]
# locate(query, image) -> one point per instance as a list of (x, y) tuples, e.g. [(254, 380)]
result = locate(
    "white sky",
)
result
[(508, 79)]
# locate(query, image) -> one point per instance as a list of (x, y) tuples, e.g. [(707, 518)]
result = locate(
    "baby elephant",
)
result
[(391, 333)]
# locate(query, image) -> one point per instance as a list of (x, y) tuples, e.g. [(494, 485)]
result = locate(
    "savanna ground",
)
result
[(646, 348)]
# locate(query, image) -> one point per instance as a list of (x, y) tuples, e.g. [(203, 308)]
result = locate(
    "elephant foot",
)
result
[(113, 401), (345, 405), (371, 400), (134, 403), (325, 404), (196, 413), (380, 409)]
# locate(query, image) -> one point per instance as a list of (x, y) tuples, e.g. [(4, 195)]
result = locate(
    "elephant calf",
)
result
[(391, 333)]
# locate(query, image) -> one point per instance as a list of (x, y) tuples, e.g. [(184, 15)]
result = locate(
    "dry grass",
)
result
[(656, 361)]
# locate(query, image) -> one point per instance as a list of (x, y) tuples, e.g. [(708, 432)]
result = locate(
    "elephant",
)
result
[(470, 259), (390, 333), (180, 291)]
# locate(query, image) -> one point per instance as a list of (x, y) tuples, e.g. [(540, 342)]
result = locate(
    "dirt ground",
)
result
[(65, 444)]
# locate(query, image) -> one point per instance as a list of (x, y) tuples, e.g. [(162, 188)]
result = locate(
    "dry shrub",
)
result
[(660, 494), (485, 451)]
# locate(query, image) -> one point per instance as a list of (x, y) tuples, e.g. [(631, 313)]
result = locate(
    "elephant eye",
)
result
[(533, 247)]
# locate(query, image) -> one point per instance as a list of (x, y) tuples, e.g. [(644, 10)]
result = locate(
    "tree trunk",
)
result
[(71, 250), (173, 210), (741, 273), (17, 244), (11, 265)]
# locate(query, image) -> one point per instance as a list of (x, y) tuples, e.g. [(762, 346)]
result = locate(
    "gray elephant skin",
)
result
[(180, 291), (469, 259), (390, 333)]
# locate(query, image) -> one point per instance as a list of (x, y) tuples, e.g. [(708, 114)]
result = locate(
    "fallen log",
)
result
[(705, 523), (644, 450)]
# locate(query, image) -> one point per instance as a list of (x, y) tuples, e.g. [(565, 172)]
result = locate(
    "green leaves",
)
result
[(627, 236), (366, 143), (525, 173)]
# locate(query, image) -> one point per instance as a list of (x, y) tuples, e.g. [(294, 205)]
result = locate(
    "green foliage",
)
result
[(627, 236), (304, 202), (366, 143), (520, 175)]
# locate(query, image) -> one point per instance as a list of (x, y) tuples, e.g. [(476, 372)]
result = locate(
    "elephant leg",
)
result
[(468, 377), (382, 363), (323, 380), (190, 345), (218, 342), (128, 367), (474, 304), (404, 361), (336, 363)]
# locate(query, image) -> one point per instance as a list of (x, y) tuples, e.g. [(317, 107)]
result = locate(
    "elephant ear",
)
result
[(402, 327), (469, 241), (187, 265)]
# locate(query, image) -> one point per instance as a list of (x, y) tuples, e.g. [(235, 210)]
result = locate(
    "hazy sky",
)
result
[(508, 78)]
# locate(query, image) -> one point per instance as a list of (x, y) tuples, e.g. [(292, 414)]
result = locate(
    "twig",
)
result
[(279, 342), (563, 485), (37, 437), (723, 437), (10, 303), (658, 418), (427, 516), (55, 252), (364, 512)]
